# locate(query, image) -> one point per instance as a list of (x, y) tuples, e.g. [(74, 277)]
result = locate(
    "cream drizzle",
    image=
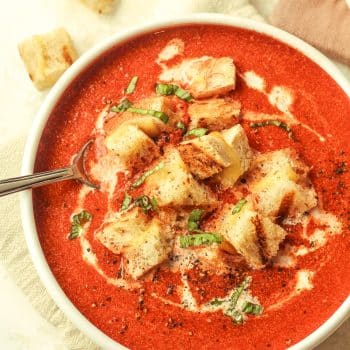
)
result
[(303, 283), (280, 97)]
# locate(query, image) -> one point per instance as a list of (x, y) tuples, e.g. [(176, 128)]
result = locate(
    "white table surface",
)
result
[(21, 327)]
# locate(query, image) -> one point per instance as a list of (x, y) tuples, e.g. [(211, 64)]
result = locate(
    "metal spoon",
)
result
[(76, 171)]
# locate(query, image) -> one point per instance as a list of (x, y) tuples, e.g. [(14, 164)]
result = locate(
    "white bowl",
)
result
[(31, 235)]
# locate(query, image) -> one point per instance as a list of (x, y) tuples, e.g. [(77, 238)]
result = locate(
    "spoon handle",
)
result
[(20, 183)]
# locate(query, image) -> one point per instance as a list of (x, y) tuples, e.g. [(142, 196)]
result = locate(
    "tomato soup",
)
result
[(284, 101)]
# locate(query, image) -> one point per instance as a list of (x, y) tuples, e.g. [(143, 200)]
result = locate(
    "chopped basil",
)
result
[(194, 218), (170, 89), (216, 302), (146, 204), (183, 94), (277, 123), (197, 132), (251, 308), (236, 316), (199, 239), (160, 115), (181, 126), (239, 205), (126, 202), (123, 105), (78, 222), (147, 173), (166, 89), (132, 85)]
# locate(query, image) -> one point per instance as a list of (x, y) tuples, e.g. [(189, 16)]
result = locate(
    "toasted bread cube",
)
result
[(281, 164), (204, 77), (100, 6), (213, 114), (279, 181), (206, 155), (173, 185), (151, 126), (143, 241), (240, 159), (254, 237), (278, 198), (47, 56), (131, 145)]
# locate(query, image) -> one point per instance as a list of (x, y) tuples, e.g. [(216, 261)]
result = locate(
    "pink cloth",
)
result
[(325, 24)]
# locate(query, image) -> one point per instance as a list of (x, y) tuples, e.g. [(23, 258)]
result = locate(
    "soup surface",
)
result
[(208, 289)]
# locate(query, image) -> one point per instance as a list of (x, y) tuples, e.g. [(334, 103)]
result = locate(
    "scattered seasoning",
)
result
[(158, 114), (170, 89), (123, 329), (126, 202), (277, 123), (199, 239), (181, 126), (251, 308), (170, 289), (132, 85), (239, 205), (78, 222), (198, 132), (341, 168), (146, 174), (123, 105)]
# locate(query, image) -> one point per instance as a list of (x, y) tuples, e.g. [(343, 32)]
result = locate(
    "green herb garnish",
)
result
[(239, 205), (199, 239), (160, 115), (277, 123), (132, 85), (123, 105), (78, 222), (170, 89), (146, 174), (194, 218), (126, 202), (251, 308), (183, 94), (166, 89), (146, 203), (198, 132), (181, 126), (217, 302)]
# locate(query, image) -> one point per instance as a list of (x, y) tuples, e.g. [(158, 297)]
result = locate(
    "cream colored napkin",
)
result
[(325, 24), (19, 102)]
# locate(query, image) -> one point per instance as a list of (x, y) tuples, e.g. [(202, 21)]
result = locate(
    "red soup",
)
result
[(223, 211)]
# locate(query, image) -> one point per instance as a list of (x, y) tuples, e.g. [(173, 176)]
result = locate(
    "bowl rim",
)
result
[(30, 150)]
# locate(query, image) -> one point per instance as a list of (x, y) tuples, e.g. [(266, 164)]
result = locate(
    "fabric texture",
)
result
[(324, 24), (20, 101)]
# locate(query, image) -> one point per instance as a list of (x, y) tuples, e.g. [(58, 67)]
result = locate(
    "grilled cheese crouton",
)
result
[(213, 114), (206, 155), (100, 6), (47, 56), (204, 77), (133, 147), (281, 186), (241, 156), (254, 237), (279, 197), (173, 185), (151, 126), (143, 241)]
